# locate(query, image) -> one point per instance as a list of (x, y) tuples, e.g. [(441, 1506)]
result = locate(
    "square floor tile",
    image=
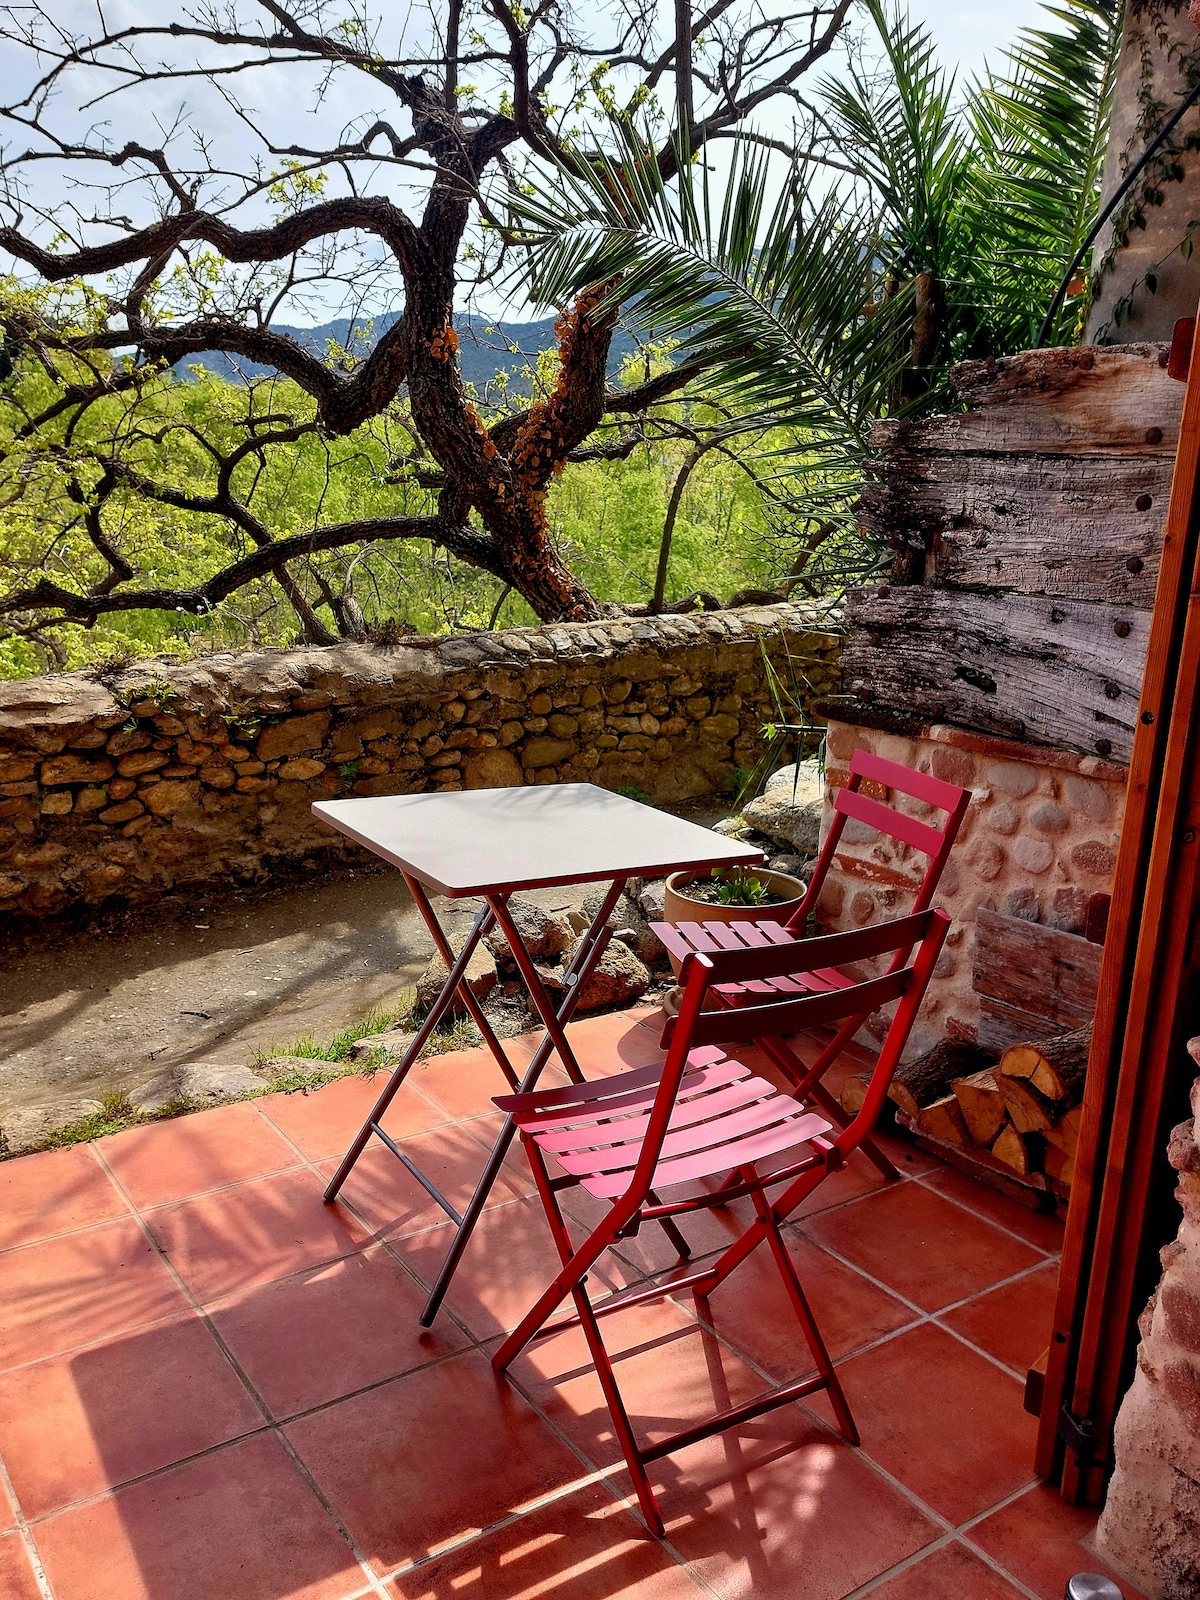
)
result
[(463, 1082), (946, 1422), (395, 1205), (617, 1042), (226, 1242), (752, 1310), (584, 1546), (509, 1262), (777, 1510), (858, 1178), (670, 1370), (1039, 1228), (17, 1581), (920, 1245), (54, 1192), (81, 1423), (324, 1122), (1038, 1538), (331, 1330), (79, 1288), (166, 1161), (443, 1452), (241, 1524), (951, 1573), (1012, 1322)]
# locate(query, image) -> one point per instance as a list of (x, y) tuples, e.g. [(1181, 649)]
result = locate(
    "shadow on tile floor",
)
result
[(213, 1385)]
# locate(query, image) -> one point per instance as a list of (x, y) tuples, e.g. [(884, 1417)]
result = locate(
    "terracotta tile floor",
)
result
[(212, 1385)]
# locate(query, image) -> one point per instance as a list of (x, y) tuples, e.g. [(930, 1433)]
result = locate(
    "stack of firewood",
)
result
[(1020, 1112)]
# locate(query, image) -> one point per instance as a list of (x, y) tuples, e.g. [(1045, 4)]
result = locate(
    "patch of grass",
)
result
[(156, 691), (632, 792), (338, 1048), (116, 1113)]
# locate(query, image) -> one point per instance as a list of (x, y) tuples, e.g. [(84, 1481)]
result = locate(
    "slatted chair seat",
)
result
[(635, 1136), (849, 804), (723, 1117)]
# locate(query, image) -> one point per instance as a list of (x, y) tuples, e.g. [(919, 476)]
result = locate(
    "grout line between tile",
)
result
[(374, 1587), (923, 1316), (23, 1528), (982, 1216)]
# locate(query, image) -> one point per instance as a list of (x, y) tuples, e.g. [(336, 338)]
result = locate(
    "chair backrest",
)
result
[(850, 802), (916, 939)]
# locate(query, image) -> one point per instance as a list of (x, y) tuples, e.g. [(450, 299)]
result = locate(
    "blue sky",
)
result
[(966, 30)]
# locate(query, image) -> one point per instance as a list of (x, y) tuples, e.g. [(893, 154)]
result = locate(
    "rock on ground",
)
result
[(481, 976), (652, 900), (390, 1044), (627, 914), (794, 865), (789, 812), (26, 1127), (198, 1080), (542, 933), (619, 976)]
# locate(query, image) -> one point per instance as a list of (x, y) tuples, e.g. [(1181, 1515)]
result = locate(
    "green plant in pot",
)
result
[(731, 894)]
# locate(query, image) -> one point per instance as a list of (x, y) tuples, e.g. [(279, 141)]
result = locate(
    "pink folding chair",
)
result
[(627, 1138), (849, 803)]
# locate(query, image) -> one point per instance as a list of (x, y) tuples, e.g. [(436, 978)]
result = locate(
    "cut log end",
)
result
[(1057, 1068), (1010, 1148), (944, 1120), (919, 1083), (983, 1105)]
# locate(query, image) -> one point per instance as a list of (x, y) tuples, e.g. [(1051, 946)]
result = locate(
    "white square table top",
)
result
[(475, 841)]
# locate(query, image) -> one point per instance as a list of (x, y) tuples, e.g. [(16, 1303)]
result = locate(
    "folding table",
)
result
[(491, 844)]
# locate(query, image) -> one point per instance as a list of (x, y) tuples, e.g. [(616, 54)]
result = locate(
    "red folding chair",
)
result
[(704, 1114), (849, 803)]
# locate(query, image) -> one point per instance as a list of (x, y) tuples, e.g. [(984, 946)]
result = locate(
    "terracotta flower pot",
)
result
[(679, 906)]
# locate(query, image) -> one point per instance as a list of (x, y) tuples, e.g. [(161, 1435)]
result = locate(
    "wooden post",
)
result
[(1121, 1194)]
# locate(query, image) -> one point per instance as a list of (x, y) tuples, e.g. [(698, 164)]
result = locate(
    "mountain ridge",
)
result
[(483, 347)]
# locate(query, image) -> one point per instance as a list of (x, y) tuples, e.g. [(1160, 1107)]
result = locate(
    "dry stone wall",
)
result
[(162, 776)]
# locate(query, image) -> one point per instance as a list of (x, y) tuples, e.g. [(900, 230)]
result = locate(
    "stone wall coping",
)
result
[(350, 672)]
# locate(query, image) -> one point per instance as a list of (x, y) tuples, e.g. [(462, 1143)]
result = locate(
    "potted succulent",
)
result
[(731, 894)]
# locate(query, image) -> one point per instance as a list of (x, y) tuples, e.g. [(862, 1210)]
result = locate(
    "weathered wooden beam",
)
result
[(1060, 672), (1038, 524), (1042, 484), (1019, 964)]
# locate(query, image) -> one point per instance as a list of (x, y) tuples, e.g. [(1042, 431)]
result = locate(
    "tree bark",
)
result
[(1159, 63)]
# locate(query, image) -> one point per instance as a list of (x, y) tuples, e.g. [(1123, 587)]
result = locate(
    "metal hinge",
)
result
[(1079, 1436)]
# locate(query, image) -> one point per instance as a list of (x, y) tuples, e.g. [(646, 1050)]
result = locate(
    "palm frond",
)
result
[(779, 298), (1042, 128)]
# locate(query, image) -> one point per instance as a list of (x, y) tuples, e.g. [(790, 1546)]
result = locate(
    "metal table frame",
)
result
[(589, 952)]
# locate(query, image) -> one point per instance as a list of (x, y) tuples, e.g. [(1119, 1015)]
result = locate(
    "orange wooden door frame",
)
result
[(1138, 1072)]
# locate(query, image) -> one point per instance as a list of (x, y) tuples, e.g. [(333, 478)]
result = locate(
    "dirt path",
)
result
[(213, 979)]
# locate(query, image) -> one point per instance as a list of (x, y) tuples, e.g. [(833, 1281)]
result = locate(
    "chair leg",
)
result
[(668, 1226), (616, 1406), (600, 1357), (808, 1323), (821, 1097)]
